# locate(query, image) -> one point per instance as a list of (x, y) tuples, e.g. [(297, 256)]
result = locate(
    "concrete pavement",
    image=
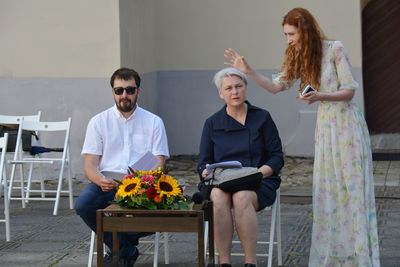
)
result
[(40, 239)]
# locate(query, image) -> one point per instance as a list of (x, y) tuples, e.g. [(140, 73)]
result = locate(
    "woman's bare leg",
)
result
[(223, 223), (245, 206)]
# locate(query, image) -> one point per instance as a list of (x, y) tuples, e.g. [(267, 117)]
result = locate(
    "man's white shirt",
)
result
[(120, 142)]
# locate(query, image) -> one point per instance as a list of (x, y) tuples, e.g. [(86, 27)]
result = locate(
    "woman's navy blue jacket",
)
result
[(254, 144)]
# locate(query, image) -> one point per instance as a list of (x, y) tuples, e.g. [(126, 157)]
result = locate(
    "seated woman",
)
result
[(242, 132)]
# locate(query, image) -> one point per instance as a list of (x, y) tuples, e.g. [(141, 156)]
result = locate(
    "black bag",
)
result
[(231, 180), (12, 138), (205, 188), (236, 179)]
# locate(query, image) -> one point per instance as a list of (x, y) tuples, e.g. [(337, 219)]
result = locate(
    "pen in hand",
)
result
[(130, 170), (117, 181)]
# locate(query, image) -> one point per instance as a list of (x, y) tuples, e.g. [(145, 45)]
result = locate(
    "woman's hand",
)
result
[(340, 95), (204, 173), (234, 59), (310, 97), (266, 170)]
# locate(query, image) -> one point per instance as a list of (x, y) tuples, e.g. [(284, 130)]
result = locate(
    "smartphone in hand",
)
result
[(307, 89)]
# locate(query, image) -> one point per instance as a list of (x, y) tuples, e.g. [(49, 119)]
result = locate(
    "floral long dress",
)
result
[(344, 231)]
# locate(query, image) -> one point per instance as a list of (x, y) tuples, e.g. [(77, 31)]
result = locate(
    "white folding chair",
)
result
[(275, 225), (6, 220), (156, 242), (46, 129), (16, 120)]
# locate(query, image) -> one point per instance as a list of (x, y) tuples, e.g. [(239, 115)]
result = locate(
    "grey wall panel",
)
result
[(183, 99), (187, 98), (58, 99)]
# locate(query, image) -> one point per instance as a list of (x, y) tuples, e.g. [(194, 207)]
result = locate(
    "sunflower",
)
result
[(168, 186), (129, 187)]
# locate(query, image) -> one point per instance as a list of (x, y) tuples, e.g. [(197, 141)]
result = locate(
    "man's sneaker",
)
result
[(129, 261), (133, 257), (107, 259)]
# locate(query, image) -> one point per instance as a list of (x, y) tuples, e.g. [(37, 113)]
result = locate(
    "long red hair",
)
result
[(304, 64)]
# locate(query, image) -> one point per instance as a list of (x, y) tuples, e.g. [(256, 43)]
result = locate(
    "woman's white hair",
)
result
[(228, 72)]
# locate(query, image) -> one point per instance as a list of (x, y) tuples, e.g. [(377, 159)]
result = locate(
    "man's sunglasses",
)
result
[(130, 90)]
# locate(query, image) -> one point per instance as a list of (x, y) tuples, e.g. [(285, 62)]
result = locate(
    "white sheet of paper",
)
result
[(147, 162), (224, 164), (113, 175)]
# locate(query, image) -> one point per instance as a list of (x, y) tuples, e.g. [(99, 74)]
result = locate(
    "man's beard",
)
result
[(125, 105)]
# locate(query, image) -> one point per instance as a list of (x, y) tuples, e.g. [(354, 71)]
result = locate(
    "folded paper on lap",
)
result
[(224, 165)]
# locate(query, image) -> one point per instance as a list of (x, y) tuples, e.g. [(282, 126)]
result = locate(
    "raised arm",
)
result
[(234, 59)]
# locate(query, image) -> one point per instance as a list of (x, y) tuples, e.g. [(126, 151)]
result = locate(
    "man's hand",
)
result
[(107, 185), (90, 166)]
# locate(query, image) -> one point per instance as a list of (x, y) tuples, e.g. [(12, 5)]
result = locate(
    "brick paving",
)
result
[(40, 239)]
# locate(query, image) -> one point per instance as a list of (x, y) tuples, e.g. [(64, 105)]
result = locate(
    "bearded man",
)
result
[(115, 139)]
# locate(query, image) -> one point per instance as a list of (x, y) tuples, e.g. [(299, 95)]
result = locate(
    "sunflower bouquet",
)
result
[(151, 190)]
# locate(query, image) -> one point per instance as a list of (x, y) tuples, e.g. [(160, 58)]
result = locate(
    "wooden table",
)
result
[(115, 219)]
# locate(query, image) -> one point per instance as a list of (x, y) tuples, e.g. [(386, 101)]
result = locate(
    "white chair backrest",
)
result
[(16, 120), (52, 132), (45, 126)]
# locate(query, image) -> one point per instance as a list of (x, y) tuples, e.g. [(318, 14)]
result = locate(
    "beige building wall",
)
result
[(57, 38), (192, 34), (139, 40), (83, 38)]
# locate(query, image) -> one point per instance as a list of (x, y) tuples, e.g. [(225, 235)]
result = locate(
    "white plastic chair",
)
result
[(6, 220), (156, 242), (270, 241), (47, 128), (16, 120)]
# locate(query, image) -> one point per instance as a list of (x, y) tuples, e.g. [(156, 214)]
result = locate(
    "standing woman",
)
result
[(344, 217)]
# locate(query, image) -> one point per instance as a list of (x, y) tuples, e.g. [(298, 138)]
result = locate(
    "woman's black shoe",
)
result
[(250, 265), (225, 265)]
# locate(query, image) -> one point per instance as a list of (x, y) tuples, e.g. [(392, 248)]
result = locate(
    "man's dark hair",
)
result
[(125, 74)]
